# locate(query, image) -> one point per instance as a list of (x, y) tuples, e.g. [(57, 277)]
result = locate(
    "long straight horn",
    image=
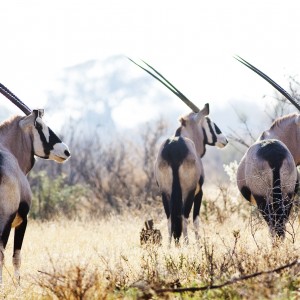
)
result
[(169, 85), (14, 99), (267, 78)]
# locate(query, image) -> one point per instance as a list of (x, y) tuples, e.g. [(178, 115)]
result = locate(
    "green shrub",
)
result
[(54, 197)]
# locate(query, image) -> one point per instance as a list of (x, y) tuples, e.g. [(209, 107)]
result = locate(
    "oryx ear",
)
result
[(202, 113), (38, 116), (39, 112), (205, 110), (26, 121)]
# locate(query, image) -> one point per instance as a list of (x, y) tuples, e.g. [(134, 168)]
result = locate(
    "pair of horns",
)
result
[(20, 104), (169, 85), (267, 78), (14, 99), (194, 108)]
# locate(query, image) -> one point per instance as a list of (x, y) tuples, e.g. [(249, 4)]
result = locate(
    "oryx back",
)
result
[(287, 130)]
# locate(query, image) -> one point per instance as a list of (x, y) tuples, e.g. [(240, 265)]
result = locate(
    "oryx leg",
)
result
[(3, 242), (278, 218), (288, 204), (187, 206), (282, 211), (267, 211), (297, 185), (19, 236), (197, 205), (166, 203)]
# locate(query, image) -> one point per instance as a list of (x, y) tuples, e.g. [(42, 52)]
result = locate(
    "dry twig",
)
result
[(229, 282)]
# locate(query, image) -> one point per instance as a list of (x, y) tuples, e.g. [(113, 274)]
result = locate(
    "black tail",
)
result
[(174, 152), (275, 212), (279, 210), (176, 206)]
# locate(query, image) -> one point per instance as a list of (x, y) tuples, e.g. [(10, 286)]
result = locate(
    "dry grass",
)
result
[(104, 260)]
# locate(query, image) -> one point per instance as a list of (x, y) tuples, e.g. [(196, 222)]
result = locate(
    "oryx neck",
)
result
[(195, 135), (286, 130), (18, 143)]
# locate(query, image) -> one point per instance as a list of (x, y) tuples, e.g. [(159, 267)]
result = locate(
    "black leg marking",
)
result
[(278, 217), (288, 204), (246, 193), (188, 203), (20, 230), (274, 214), (264, 208), (198, 199), (197, 204), (296, 187), (282, 211), (6, 231), (165, 200), (19, 234)]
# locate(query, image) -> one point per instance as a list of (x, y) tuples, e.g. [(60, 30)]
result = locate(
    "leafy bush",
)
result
[(53, 196)]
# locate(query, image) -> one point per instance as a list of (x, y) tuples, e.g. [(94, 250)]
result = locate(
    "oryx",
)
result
[(21, 139), (267, 174), (178, 168)]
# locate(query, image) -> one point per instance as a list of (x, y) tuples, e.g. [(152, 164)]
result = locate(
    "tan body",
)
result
[(256, 174), (178, 167), (179, 171), (189, 171), (22, 138), (280, 170), (13, 184)]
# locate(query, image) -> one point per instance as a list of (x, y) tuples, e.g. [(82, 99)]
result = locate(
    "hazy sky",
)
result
[(191, 42)]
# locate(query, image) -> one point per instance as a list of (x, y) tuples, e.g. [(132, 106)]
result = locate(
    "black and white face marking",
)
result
[(212, 134), (47, 144)]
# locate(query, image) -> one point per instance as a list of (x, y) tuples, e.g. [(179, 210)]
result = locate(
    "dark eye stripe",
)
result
[(218, 131), (214, 137), (44, 142), (53, 139), (38, 126)]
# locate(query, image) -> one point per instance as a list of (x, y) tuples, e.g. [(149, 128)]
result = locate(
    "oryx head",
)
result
[(46, 144), (196, 125)]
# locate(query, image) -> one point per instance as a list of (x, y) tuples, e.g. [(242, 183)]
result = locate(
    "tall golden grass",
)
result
[(103, 259)]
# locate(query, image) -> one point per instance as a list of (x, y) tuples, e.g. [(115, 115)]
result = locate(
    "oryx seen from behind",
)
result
[(21, 139), (178, 169), (267, 175)]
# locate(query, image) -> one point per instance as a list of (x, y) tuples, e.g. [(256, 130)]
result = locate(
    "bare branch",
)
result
[(237, 138), (229, 282)]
